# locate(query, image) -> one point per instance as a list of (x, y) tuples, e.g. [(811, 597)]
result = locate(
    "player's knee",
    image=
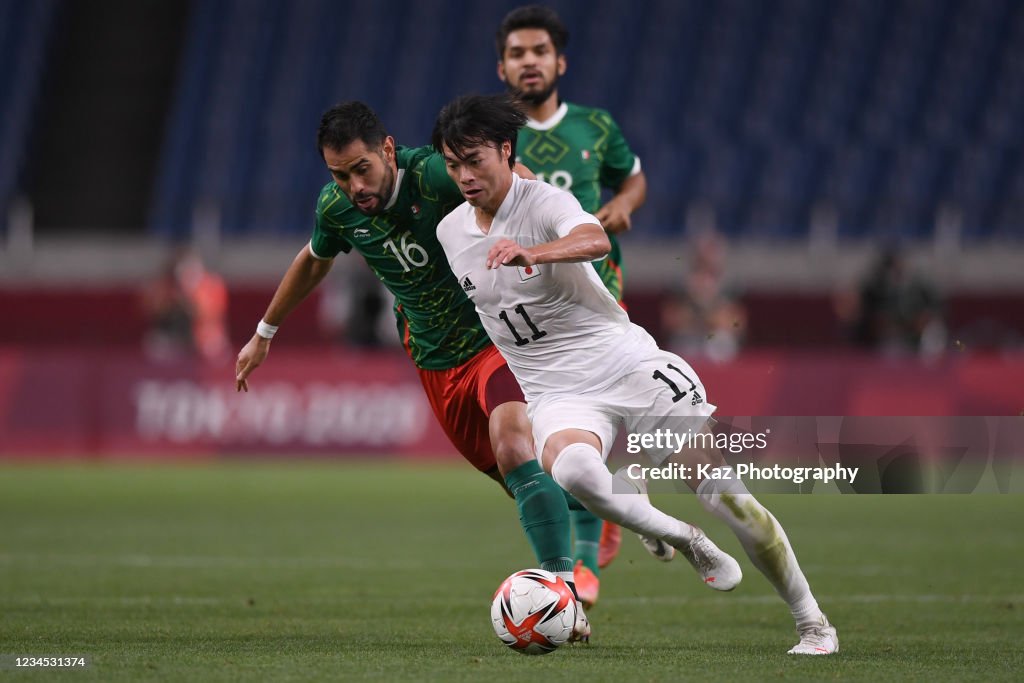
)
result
[(511, 436), (573, 469), (512, 451), (558, 442)]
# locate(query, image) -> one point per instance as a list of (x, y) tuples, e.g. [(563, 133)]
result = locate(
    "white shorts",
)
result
[(663, 392)]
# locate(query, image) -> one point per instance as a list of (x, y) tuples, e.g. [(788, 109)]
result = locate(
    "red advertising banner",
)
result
[(322, 402), (313, 403)]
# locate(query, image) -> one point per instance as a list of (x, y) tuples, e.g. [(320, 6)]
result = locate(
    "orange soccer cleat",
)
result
[(611, 539), (587, 584)]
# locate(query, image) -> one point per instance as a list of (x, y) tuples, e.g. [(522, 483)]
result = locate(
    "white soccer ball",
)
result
[(533, 612)]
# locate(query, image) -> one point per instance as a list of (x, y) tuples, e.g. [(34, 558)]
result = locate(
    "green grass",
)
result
[(309, 571)]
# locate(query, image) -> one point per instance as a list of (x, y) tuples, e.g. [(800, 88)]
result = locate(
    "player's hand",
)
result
[(508, 253), (615, 216), (250, 357)]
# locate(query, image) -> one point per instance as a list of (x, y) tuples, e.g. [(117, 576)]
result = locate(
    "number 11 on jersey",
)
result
[(535, 333)]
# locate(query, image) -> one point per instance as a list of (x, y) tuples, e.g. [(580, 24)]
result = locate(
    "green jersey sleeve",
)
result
[(618, 161), (327, 241), (437, 183)]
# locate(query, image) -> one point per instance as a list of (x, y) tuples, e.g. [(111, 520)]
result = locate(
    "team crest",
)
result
[(415, 209), (528, 272), (585, 154)]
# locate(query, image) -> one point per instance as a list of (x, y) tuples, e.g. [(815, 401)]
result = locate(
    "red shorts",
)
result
[(463, 398)]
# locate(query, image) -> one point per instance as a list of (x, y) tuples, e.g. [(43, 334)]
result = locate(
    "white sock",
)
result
[(580, 470), (765, 543)]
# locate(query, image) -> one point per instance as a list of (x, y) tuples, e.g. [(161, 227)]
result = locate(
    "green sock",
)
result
[(588, 527), (543, 514)]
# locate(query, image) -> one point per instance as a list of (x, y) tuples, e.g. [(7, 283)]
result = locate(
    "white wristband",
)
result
[(266, 331)]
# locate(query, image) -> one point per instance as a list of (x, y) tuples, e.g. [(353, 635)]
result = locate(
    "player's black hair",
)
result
[(473, 120), (532, 16), (346, 122)]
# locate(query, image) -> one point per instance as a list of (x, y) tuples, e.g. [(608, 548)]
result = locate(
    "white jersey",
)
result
[(556, 324)]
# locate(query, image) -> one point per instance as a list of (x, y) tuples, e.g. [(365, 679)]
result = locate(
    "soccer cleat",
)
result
[(587, 584), (659, 549), (611, 540), (817, 639), (581, 631), (716, 567)]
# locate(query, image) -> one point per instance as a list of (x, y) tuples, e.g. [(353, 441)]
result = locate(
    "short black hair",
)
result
[(346, 122), (473, 120), (532, 16)]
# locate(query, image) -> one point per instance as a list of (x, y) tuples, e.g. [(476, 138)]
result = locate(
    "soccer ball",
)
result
[(533, 612)]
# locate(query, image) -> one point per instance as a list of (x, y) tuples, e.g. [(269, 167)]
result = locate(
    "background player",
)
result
[(584, 367), (582, 150), (385, 202)]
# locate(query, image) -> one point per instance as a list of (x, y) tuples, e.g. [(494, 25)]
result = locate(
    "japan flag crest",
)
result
[(528, 272)]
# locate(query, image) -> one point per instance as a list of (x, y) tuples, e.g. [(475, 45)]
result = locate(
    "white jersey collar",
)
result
[(394, 193), (552, 120), (506, 204)]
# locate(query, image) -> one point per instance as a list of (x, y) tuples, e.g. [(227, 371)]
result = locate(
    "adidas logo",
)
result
[(697, 398), (467, 285)]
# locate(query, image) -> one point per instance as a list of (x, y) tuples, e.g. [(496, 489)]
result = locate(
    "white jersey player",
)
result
[(587, 335), (520, 250)]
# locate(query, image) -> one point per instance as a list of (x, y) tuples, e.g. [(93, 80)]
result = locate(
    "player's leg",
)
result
[(575, 458), (543, 512), (479, 406), (502, 390), (768, 547), (543, 509), (679, 404)]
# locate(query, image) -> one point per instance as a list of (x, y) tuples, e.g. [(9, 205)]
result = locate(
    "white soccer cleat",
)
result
[(817, 639), (659, 549), (581, 631), (716, 567)]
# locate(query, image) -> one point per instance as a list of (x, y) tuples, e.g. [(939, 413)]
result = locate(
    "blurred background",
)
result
[(834, 223)]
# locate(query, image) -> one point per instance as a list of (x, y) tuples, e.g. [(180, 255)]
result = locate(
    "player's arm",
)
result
[(615, 215), (620, 170), (301, 278), (585, 242)]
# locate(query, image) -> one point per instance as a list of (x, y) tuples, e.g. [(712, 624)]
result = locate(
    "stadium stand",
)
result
[(900, 119), (892, 113)]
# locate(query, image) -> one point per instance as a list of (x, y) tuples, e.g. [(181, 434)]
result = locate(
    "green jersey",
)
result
[(581, 150), (437, 322)]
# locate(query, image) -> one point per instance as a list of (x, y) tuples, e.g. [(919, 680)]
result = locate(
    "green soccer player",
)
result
[(385, 203), (581, 150)]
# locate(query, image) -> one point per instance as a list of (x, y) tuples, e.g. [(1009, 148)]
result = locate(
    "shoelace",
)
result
[(699, 553), (815, 635)]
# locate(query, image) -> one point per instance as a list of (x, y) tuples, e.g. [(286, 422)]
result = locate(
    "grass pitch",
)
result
[(310, 571)]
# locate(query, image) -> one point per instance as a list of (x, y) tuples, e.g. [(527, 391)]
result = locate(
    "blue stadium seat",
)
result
[(888, 109)]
